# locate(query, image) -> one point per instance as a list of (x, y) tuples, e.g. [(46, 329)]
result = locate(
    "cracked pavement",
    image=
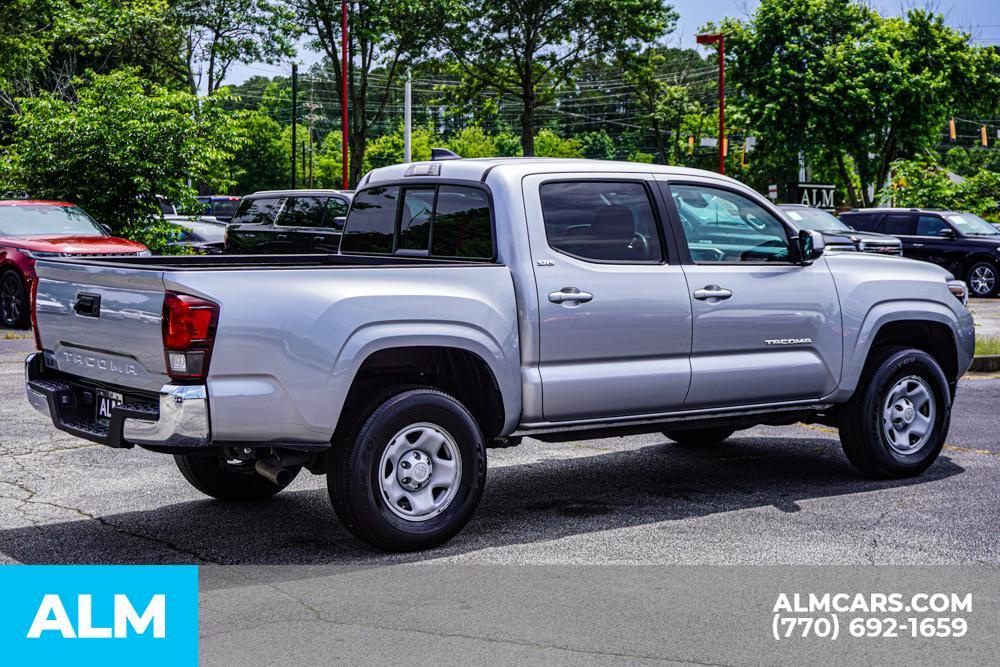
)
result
[(283, 580)]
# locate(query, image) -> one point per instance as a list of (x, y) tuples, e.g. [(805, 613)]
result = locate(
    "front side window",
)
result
[(601, 221), (257, 211), (725, 227), (930, 225), (46, 220), (371, 226), (302, 212)]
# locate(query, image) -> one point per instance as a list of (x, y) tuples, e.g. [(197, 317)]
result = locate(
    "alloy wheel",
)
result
[(11, 299), (982, 279)]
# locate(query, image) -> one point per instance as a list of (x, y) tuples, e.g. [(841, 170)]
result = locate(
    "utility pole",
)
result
[(343, 90), (295, 102), (720, 39), (407, 118)]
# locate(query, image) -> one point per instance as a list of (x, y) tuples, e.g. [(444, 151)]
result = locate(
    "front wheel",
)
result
[(411, 474), (983, 279), (15, 306), (896, 423)]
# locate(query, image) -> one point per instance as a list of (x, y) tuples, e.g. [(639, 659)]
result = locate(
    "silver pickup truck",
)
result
[(476, 302)]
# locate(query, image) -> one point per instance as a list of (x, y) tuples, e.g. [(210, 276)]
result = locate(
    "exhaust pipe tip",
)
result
[(270, 470)]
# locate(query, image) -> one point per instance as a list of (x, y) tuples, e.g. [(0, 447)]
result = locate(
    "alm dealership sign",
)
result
[(816, 195)]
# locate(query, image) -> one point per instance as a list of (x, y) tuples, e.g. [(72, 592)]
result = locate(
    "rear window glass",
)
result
[(258, 211), (415, 219), (224, 209), (372, 223), (462, 224)]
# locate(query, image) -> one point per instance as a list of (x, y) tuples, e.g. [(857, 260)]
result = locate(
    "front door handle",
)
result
[(918, 245), (570, 295), (712, 293), (282, 237), (319, 239)]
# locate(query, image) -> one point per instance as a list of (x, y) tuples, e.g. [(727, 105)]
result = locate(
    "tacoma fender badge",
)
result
[(788, 341)]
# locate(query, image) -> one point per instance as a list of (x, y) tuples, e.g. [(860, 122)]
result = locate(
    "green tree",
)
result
[(550, 144), (218, 33), (836, 81), (525, 49), (118, 147), (597, 145), (388, 149), (262, 160), (924, 183), (472, 141), (384, 37)]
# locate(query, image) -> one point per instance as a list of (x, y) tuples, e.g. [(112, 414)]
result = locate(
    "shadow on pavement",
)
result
[(526, 503)]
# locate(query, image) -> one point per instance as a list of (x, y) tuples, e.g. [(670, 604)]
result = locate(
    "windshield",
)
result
[(971, 225), (816, 220), (46, 220)]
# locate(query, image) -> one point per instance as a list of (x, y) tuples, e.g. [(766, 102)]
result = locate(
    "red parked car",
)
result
[(32, 229)]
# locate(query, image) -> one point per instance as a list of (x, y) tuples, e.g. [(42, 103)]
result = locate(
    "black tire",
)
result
[(356, 462), (15, 304), (239, 483), (700, 437), (862, 429), (983, 279)]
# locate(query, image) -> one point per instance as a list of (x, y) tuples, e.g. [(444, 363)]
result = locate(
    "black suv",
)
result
[(963, 243), (288, 222)]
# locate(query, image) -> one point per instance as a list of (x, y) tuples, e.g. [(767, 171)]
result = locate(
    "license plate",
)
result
[(106, 402)]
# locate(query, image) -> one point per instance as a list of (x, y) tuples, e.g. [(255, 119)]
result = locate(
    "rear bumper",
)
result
[(178, 417)]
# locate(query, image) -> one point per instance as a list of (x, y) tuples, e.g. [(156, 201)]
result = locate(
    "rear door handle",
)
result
[(570, 295), (319, 239), (712, 293), (282, 237), (918, 245)]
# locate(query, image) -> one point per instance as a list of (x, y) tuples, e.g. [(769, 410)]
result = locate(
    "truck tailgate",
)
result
[(103, 322)]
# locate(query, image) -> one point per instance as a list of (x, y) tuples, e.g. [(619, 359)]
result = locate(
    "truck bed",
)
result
[(292, 329)]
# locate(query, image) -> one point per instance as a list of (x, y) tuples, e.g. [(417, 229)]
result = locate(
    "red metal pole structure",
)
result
[(720, 39), (343, 90)]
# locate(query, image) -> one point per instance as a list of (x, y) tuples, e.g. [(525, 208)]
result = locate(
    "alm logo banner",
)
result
[(100, 614)]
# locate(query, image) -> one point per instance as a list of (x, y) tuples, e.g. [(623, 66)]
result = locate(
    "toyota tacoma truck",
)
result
[(477, 302)]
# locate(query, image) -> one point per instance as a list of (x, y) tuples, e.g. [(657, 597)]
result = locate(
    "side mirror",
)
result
[(811, 246), (947, 233), (106, 228), (339, 221)]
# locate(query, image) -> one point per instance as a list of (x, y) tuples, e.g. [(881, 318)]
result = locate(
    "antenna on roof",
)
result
[(439, 154)]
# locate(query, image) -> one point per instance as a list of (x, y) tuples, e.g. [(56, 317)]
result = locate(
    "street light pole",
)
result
[(343, 91), (720, 39), (295, 114)]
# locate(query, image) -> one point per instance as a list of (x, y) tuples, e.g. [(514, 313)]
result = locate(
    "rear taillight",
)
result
[(188, 335), (34, 314)]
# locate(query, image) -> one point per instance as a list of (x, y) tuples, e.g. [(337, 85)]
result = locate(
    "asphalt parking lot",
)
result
[(769, 496)]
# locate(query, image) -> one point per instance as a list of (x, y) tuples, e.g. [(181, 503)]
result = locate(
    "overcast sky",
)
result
[(980, 17)]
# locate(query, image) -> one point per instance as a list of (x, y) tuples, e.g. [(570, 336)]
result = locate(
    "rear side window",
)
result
[(372, 224), (335, 208), (258, 211), (462, 225), (899, 225), (602, 221), (860, 221), (302, 212)]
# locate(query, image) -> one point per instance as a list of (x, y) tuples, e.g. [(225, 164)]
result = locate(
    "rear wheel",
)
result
[(700, 437), (983, 279), (410, 474), (228, 480), (896, 423), (15, 308)]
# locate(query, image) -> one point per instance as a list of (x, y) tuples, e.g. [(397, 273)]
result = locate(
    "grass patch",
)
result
[(990, 345)]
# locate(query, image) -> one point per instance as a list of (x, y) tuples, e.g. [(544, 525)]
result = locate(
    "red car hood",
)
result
[(98, 245)]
